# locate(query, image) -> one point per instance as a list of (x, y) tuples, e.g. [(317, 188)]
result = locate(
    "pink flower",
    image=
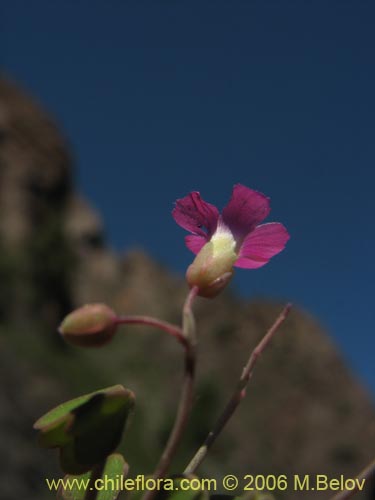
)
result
[(232, 238)]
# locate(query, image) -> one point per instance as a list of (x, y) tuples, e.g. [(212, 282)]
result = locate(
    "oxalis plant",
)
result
[(87, 430)]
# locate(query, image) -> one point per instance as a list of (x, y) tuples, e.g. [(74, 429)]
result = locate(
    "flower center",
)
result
[(223, 243)]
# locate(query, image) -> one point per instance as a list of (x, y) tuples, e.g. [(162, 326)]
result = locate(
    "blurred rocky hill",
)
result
[(305, 412)]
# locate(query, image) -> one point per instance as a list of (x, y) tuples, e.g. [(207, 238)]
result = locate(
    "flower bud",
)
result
[(212, 269), (92, 325)]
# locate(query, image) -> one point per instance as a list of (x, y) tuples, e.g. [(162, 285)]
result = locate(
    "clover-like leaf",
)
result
[(53, 426), (86, 429), (109, 484)]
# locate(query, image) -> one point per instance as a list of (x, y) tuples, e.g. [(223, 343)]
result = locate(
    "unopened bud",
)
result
[(92, 325), (211, 270)]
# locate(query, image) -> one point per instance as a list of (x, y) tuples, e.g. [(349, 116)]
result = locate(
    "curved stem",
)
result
[(186, 397), (238, 394), (173, 330), (182, 416), (363, 476)]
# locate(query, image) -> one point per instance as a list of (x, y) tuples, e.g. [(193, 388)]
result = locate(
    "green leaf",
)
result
[(56, 433), (98, 426), (110, 483), (63, 410), (54, 426), (86, 429), (68, 460)]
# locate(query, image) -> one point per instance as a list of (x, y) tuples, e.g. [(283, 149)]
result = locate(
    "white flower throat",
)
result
[(223, 242)]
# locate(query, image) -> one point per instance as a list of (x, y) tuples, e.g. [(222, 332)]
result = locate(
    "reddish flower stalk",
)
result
[(239, 393), (173, 330), (186, 397)]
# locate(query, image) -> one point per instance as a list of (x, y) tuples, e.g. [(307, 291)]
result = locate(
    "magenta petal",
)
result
[(195, 243), (194, 214), (245, 210), (261, 244)]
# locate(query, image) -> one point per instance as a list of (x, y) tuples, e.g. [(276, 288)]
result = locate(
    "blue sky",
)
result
[(158, 98)]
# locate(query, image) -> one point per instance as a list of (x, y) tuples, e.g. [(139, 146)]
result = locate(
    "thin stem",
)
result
[(238, 394), (173, 330), (364, 475), (186, 397)]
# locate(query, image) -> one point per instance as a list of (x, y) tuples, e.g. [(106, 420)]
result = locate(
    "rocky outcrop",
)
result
[(47, 231), (35, 184)]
